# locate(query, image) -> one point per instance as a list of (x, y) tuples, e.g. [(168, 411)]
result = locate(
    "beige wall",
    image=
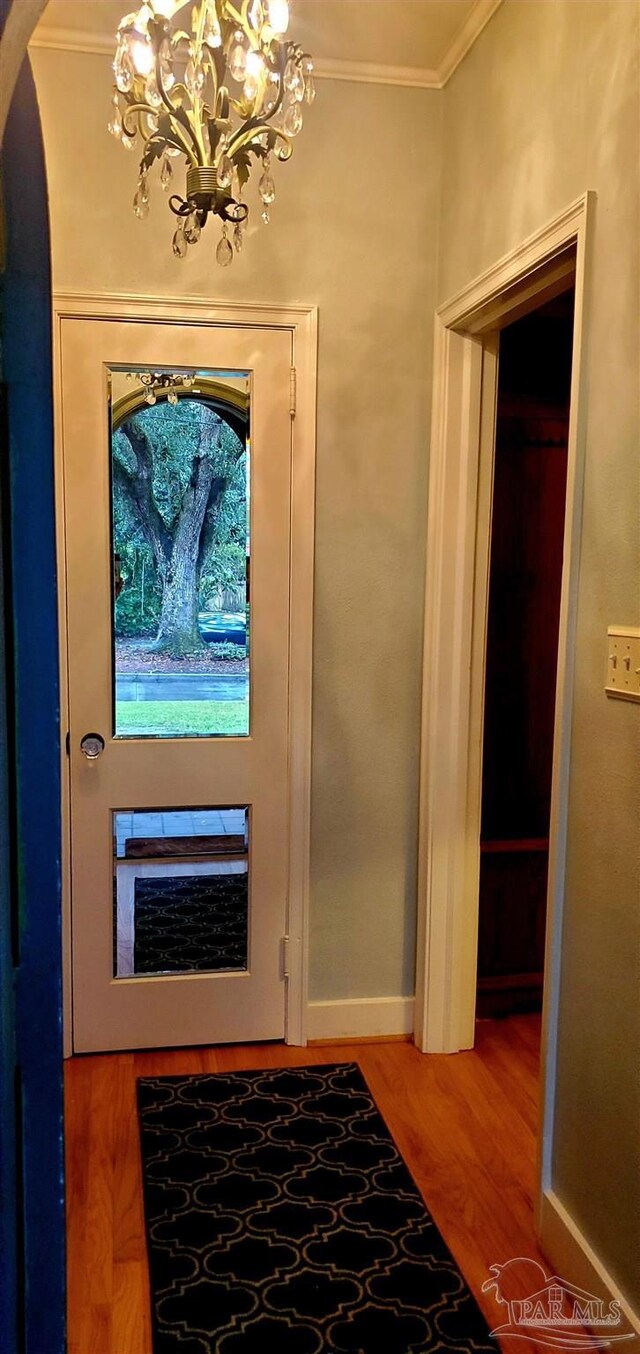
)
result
[(354, 232), (545, 106)]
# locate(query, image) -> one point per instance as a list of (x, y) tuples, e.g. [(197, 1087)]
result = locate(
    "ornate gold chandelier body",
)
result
[(230, 89)]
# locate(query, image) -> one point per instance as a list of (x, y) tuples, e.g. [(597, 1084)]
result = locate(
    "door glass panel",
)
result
[(181, 891), (180, 515)]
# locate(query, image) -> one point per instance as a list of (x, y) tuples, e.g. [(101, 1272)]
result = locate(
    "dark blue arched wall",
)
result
[(31, 1156)]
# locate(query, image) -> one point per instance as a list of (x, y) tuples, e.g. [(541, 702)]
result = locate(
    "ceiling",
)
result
[(419, 37)]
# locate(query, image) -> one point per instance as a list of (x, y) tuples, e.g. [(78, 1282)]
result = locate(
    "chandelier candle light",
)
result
[(230, 89)]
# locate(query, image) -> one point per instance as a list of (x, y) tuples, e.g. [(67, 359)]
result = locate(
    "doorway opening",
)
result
[(538, 270), (523, 616)]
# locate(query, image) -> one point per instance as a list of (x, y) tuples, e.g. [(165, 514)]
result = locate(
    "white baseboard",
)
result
[(360, 1018), (575, 1260)]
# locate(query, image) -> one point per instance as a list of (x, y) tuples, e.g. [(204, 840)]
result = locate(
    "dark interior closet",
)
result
[(522, 645)]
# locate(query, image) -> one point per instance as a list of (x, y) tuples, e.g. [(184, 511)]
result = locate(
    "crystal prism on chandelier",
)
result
[(227, 96)]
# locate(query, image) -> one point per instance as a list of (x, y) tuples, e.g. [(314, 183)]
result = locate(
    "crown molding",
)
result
[(71, 40), (477, 20), (358, 72), (369, 73)]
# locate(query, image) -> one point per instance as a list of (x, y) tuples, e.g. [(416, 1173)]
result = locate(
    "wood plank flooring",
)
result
[(465, 1124)]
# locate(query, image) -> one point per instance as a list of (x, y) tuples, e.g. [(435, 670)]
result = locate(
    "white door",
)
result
[(177, 485)]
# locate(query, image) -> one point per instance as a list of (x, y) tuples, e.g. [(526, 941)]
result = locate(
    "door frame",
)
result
[(302, 323), (458, 536)]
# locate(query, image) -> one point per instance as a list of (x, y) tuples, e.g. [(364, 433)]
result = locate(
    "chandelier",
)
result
[(228, 92)]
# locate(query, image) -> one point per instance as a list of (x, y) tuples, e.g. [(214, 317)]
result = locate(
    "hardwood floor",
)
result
[(465, 1124)]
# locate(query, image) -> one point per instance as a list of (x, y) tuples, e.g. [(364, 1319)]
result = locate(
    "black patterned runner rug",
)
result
[(282, 1220)]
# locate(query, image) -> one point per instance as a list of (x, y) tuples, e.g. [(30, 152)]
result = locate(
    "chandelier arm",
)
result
[(196, 125), (217, 59), (195, 114), (182, 208), (159, 144), (161, 87), (254, 38), (181, 130), (234, 212), (235, 14), (170, 106), (278, 68), (134, 110), (214, 102), (140, 109), (177, 138), (137, 113), (245, 136), (286, 140), (200, 27), (144, 132)]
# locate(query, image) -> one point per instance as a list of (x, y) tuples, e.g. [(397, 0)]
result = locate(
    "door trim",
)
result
[(302, 323), (455, 622)]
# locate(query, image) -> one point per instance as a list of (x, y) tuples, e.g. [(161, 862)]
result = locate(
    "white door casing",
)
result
[(461, 462)]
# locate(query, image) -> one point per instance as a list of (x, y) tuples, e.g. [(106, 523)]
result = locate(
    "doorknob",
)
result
[(92, 745)]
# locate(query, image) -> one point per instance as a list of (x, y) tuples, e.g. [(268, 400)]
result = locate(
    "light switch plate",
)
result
[(623, 662)]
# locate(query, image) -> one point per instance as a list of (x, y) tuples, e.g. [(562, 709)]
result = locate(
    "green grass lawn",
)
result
[(182, 718)]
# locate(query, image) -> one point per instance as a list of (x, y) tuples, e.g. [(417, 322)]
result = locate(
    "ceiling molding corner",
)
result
[(478, 19), (71, 40)]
